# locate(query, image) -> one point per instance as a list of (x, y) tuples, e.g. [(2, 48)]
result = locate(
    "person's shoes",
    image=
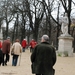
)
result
[(6, 64), (12, 65), (2, 64)]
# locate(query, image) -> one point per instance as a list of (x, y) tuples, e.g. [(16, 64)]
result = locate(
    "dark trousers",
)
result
[(39, 74), (51, 73), (5, 59), (1, 56), (31, 49), (23, 49), (14, 60)]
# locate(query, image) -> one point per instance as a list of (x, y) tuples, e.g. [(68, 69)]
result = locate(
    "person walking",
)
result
[(32, 44), (1, 55), (6, 50), (43, 58), (17, 49), (24, 44)]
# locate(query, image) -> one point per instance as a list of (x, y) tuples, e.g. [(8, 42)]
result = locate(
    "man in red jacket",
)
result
[(6, 50), (24, 44), (32, 45)]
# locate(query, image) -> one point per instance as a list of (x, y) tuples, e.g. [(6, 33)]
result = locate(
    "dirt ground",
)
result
[(63, 66)]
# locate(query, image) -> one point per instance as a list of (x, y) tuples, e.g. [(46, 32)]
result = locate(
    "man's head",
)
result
[(17, 40), (8, 38), (45, 38)]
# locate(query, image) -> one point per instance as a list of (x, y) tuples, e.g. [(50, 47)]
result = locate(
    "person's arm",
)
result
[(21, 49), (33, 55), (8, 47), (54, 56)]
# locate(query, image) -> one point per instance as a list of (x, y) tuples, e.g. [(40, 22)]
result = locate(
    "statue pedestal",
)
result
[(65, 46)]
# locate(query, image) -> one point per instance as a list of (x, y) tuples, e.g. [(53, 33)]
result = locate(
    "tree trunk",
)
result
[(6, 30)]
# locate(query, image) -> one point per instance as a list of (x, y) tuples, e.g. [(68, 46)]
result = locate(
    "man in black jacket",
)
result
[(43, 58)]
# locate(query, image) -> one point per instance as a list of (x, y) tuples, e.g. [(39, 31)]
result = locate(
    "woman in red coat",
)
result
[(24, 44), (32, 44)]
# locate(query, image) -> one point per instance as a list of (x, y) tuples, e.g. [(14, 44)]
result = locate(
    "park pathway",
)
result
[(63, 66)]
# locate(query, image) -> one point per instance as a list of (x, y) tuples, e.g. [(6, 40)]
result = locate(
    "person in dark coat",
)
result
[(43, 58), (5, 50)]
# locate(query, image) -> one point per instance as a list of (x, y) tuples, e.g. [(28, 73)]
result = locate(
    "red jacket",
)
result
[(0, 44), (33, 43), (24, 43)]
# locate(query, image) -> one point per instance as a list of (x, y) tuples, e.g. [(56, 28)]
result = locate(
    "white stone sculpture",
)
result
[(64, 27), (1, 35)]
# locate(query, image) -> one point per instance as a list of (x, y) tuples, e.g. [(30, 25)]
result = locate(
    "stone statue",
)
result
[(1, 35), (64, 27)]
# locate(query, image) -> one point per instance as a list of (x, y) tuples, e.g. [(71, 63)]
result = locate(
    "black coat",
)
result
[(43, 59)]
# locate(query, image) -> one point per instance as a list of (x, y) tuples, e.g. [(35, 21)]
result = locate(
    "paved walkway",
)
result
[(63, 66)]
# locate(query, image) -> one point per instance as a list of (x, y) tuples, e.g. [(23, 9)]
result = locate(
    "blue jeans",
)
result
[(14, 60)]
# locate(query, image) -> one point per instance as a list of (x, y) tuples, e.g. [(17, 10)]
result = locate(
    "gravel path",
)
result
[(63, 66)]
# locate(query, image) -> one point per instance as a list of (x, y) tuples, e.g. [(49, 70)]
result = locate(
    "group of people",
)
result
[(43, 56), (6, 48), (17, 48)]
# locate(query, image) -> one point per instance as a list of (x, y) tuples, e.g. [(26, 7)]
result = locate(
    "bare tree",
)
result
[(8, 15), (35, 16)]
